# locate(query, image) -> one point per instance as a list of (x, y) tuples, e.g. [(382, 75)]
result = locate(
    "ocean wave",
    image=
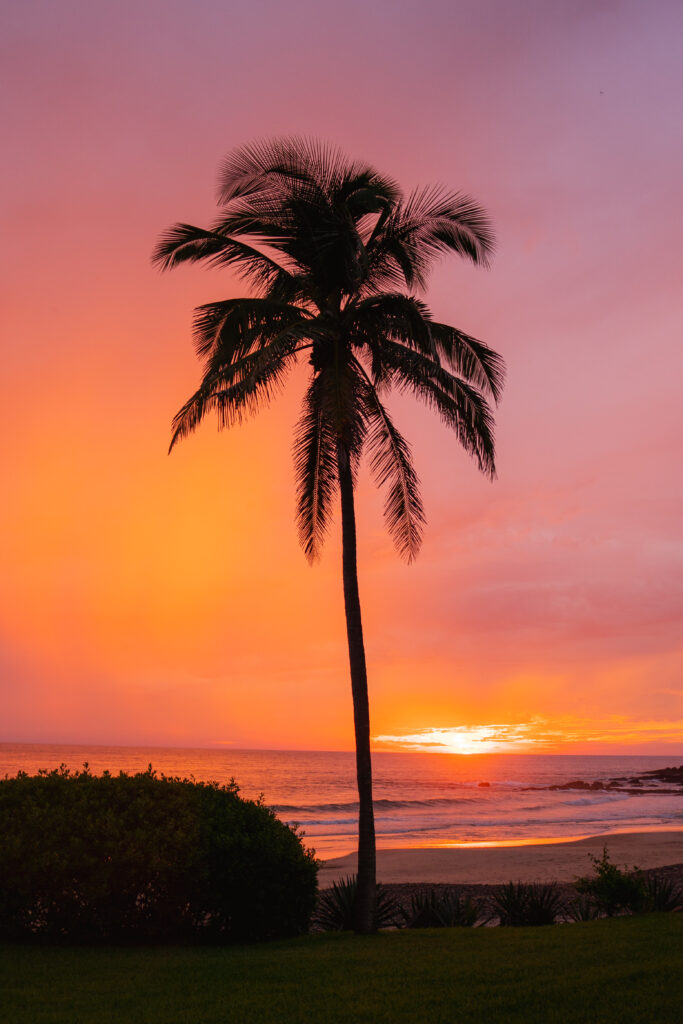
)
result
[(486, 827), (599, 798), (379, 805)]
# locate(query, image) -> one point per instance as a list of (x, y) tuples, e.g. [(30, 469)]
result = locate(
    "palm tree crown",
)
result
[(331, 250)]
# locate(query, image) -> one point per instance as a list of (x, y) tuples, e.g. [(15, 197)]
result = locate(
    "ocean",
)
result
[(420, 799)]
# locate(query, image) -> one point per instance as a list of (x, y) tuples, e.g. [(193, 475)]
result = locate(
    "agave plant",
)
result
[(521, 903), (582, 909), (661, 895), (336, 906), (431, 910)]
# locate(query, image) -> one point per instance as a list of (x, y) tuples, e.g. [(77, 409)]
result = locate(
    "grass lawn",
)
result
[(624, 970)]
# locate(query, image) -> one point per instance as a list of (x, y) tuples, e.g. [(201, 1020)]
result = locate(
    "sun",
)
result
[(464, 739)]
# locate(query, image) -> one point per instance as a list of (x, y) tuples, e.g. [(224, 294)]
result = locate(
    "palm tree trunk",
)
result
[(366, 891)]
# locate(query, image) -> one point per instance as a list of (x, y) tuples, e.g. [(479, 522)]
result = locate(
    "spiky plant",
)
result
[(583, 908), (527, 903), (336, 910), (334, 256), (446, 910), (661, 895)]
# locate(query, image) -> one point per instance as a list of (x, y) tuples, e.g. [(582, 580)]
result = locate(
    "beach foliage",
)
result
[(146, 858), (613, 890), (432, 909), (336, 906), (527, 903), (335, 259)]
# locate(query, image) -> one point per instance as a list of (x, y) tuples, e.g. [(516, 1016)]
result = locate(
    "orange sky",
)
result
[(161, 599)]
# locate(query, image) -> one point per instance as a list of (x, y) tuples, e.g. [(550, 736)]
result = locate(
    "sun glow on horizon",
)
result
[(465, 739), (537, 735)]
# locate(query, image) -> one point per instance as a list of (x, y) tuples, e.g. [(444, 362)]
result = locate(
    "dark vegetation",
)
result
[(609, 891), (517, 904), (335, 911), (442, 910), (613, 891), (141, 858), (147, 859)]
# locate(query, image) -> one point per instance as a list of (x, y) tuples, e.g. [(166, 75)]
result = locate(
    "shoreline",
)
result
[(555, 860)]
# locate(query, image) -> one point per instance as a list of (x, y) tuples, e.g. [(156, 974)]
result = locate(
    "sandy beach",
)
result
[(542, 862)]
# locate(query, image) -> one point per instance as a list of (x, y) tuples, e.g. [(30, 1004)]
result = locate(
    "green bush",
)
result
[(141, 858), (614, 891)]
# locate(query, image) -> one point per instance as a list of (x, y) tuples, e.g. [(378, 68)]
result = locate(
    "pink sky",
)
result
[(163, 599)]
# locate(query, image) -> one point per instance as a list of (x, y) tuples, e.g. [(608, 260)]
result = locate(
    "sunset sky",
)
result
[(163, 599)]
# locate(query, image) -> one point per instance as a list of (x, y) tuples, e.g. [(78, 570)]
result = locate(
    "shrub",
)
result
[(614, 891), (335, 911), (520, 903), (140, 858), (431, 910)]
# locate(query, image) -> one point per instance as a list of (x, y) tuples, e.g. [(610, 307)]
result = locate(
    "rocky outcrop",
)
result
[(661, 780)]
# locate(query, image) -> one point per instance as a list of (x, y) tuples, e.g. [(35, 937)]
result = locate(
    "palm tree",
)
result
[(332, 252)]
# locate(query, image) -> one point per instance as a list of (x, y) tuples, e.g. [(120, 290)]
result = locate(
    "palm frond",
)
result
[(262, 168), (185, 243), (394, 262), (345, 386), (461, 406), (393, 315), (228, 330), (430, 223), (279, 168), (392, 467), (445, 222), (366, 193), (234, 392), (292, 289), (469, 358), (315, 469)]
